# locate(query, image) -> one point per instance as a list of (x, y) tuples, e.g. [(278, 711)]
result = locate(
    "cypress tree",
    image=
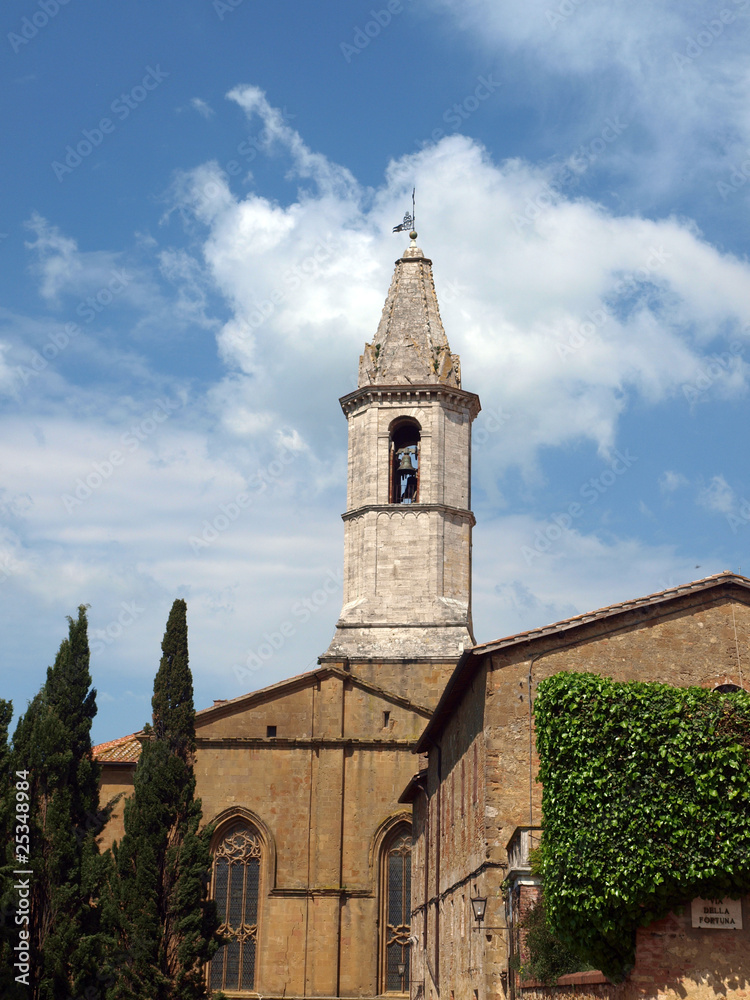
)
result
[(9, 863), (163, 927), (52, 743)]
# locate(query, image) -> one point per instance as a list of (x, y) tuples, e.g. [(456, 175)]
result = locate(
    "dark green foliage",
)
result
[(172, 703), (52, 743), (8, 897), (162, 926), (646, 806), (546, 958)]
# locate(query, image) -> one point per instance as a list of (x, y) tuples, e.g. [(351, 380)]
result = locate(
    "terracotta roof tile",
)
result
[(125, 750)]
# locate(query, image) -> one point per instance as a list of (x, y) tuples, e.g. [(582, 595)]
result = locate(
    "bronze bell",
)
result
[(406, 463)]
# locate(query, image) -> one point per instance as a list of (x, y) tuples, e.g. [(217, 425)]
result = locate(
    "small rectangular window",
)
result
[(386, 719), (270, 730)]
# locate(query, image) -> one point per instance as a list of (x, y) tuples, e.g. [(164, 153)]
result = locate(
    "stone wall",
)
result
[(673, 960), (699, 639), (116, 780), (323, 794)]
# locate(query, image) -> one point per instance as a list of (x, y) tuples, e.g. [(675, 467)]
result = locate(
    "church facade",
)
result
[(312, 849), (374, 816)]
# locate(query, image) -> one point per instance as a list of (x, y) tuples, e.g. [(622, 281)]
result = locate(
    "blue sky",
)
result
[(196, 243)]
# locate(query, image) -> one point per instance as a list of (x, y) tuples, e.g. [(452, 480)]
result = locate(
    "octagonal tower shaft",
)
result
[(407, 527)]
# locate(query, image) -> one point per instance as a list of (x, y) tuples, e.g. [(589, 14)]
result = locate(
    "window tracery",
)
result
[(236, 889), (395, 911)]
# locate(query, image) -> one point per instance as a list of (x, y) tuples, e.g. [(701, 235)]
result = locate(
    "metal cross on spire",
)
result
[(410, 221)]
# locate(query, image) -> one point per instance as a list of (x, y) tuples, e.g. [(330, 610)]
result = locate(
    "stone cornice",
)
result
[(303, 891), (410, 508), (409, 395), (342, 623), (295, 742)]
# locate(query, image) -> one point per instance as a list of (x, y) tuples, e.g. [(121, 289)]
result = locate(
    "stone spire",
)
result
[(410, 346), (408, 519)]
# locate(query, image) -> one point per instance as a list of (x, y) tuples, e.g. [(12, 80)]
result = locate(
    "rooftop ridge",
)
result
[(586, 616)]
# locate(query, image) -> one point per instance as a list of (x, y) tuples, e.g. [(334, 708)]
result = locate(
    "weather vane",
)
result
[(410, 221)]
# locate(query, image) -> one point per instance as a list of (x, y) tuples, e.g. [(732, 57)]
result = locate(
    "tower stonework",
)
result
[(407, 548), (301, 780)]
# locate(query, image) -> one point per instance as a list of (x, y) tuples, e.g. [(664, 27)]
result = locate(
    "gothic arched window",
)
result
[(395, 911), (236, 889), (405, 462)]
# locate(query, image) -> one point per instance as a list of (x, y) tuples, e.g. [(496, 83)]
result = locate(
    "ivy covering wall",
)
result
[(646, 806)]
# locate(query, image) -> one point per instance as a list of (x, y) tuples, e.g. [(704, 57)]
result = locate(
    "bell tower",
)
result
[(408, 522)]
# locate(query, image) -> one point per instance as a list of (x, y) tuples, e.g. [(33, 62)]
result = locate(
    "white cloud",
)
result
[(330, 177), (670, 481), (676, 73), (522, 589), (718, 496), (624, 307), (564, 315), (57, 257), (187, 276), (203, 108)]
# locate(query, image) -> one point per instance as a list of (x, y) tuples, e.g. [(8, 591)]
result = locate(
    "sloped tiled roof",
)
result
[(589, 616), (471, 657), (125, 750)]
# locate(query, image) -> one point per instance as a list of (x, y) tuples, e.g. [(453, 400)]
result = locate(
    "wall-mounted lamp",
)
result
[(401, 970), (478, 905)]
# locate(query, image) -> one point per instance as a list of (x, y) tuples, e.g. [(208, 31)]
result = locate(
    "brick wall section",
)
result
[(692, 639), (675, 960), (692, 643), (525, 898)]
